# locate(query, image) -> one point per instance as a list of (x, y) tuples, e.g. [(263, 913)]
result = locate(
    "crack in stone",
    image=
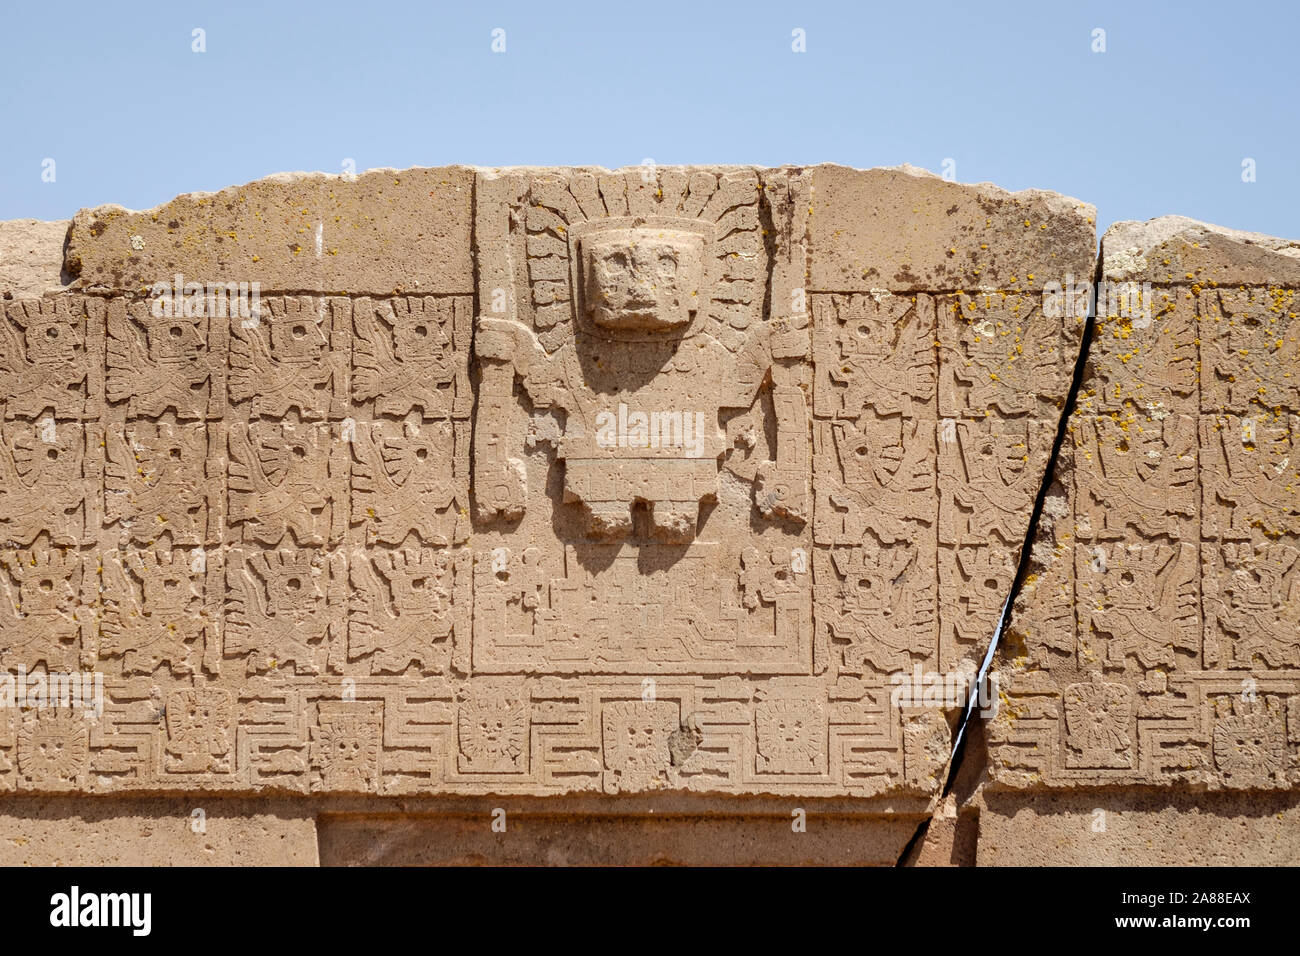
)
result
[(957, 762), (1026, 548)]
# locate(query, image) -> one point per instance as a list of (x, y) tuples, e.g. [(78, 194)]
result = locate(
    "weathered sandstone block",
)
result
[(384, 232), (527, 481), (151, 831), (908, 230), (1157, 641), (31, 257)]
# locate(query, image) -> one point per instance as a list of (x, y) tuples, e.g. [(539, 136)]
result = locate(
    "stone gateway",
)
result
[(587, 493)]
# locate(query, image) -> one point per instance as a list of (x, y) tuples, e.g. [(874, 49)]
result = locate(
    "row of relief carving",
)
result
[(74, 357), (504, 734), (267, 482), (311, 611)]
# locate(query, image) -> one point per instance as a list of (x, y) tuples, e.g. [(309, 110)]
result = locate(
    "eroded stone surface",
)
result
[(1136, 827), (659, 839), (31, 256), (908, 230), (111, 831), (383, 232)]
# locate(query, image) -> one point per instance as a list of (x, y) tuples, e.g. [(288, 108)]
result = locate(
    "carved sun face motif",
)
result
[(174, 340), (51, 341), (47, 589), (789, 730), (167, 589), (419, 589), (644, 279)]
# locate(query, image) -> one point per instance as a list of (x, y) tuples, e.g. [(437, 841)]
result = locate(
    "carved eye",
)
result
[(421, 453), (170, 584), (617, 260), (991, 583), (47, 584), (174, 331), (52, 454), (421, 330), (865, 584), (299, 451), (667, 265), (1126, 577), (293, 584), (418, 583), (299, 331), (862, 451), (52, 333), (864, 331), (174, 454)]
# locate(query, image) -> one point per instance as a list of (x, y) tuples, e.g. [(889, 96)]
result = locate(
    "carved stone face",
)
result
[(292, 591), (167, 588), (643, 279), (173, 340), (45, 590), (51, 341), (418, 587), (419, 337), (297, 339)]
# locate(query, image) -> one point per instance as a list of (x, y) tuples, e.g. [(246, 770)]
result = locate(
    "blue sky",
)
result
[(1012, 92)]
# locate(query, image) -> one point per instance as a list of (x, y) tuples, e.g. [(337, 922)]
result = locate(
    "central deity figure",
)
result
[(644, 329)]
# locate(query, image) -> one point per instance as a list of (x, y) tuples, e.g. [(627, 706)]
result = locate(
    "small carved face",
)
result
[(52, 340), (1129, 591), (418, 461), (44, 590), (167, 588), (866, 337), (420, 337), (871, 596), (643, 279), (1008, 453), (789, 729), (297, 338), (173, 339), (1258, 588), (293, 593), (418, 588)]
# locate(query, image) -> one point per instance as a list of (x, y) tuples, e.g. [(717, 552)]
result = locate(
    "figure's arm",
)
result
[(782, 485), (504, 349)]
